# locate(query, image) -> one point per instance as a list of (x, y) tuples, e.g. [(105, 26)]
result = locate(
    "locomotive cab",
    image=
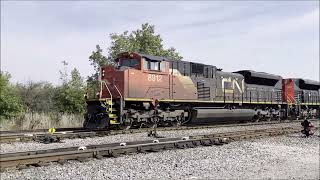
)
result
[(142, 62), (135, 77)]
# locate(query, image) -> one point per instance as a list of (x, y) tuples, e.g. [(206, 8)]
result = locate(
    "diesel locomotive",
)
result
[(144, 90)]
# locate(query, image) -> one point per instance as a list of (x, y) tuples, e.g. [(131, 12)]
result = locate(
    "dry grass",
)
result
[(29, 121)]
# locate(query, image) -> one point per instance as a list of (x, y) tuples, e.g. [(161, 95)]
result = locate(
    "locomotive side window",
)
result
[(154, 65), (162, 66), (197, 69), (129, 62)]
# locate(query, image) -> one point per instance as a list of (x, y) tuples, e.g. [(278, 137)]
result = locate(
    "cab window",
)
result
[(154, 65), (129, 62)]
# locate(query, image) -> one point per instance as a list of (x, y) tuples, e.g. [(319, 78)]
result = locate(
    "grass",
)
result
[(30, 121)]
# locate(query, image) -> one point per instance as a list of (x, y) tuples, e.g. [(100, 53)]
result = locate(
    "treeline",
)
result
[(42, 97)]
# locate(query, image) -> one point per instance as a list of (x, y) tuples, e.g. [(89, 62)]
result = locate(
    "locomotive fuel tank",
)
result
[(209, 115)]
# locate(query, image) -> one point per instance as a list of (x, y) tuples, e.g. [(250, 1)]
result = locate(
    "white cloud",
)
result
[(292, 24)]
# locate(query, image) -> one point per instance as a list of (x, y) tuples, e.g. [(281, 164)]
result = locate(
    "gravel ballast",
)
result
[(31, 146), (282, 157)]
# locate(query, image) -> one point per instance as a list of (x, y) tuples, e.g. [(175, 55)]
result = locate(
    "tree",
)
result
[(76, 81), (143, 40), (97, 60), (37, 96), (64, 72), (69, 96), (10, 102)]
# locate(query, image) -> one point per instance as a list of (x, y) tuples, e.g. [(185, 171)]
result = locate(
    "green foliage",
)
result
[(143, 40), (44, 97), (37, 96), (69, 96), (64, 73), (97, 60), (10, 102)]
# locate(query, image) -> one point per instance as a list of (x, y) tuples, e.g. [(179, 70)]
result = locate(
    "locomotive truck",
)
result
[(145, 90)]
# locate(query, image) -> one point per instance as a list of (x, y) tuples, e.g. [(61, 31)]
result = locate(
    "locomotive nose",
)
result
[(96, 116)]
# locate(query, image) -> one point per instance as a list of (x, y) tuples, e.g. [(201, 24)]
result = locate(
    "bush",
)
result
[(10, 101), (69, 98), (37, 96)]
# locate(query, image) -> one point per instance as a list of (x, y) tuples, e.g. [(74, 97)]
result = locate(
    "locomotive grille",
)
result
[(203, 92), (297, 96)]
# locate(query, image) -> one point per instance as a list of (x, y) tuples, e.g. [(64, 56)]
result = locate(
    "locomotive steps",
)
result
[(43, 157), (71, 133)]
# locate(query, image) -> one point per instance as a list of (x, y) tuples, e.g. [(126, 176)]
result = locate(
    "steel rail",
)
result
[(81, 133), (43, 157), (38, 131)]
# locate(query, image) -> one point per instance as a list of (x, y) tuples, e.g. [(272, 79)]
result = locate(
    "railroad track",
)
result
[(71, 133), (44, 157), (39, 130)]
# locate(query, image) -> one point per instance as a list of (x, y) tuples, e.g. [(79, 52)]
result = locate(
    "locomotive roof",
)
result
[(260, 74), (134, 54), (223, 73), (309, 82), (155, 58)]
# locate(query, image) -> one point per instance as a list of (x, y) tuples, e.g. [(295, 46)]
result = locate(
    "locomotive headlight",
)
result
[(103, 73)]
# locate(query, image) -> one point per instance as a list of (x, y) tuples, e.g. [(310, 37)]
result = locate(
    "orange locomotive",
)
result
[(145, 90)]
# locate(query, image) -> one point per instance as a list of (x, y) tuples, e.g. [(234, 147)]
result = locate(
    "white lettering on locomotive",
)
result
[(154, 78), (234, 84)]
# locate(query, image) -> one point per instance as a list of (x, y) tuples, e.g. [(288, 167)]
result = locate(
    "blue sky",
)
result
[(275, 37)]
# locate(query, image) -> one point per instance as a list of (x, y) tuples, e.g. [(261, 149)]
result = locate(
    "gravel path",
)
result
[(282, 157), (29, 146)]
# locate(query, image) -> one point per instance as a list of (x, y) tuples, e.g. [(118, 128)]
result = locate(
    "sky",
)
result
[(281, 38)]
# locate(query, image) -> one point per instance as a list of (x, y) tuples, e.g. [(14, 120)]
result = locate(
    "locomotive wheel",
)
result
[(176, 123), (255, 118), (150, 123), (180, 120), (127, 123)]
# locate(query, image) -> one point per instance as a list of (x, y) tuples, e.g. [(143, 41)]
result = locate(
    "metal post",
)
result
[(242, 97), (121, 104), (233, 96), (224, 95)]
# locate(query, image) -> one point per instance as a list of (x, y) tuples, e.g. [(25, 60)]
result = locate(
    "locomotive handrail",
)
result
[(121, 120), (118, 91), (109, 93)]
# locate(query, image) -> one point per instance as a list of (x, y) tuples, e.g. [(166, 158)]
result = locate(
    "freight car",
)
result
[(144, 90)]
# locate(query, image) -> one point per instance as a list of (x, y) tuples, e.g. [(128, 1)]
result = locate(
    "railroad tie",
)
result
[(61, 161), (82, 159), (97, 155)]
